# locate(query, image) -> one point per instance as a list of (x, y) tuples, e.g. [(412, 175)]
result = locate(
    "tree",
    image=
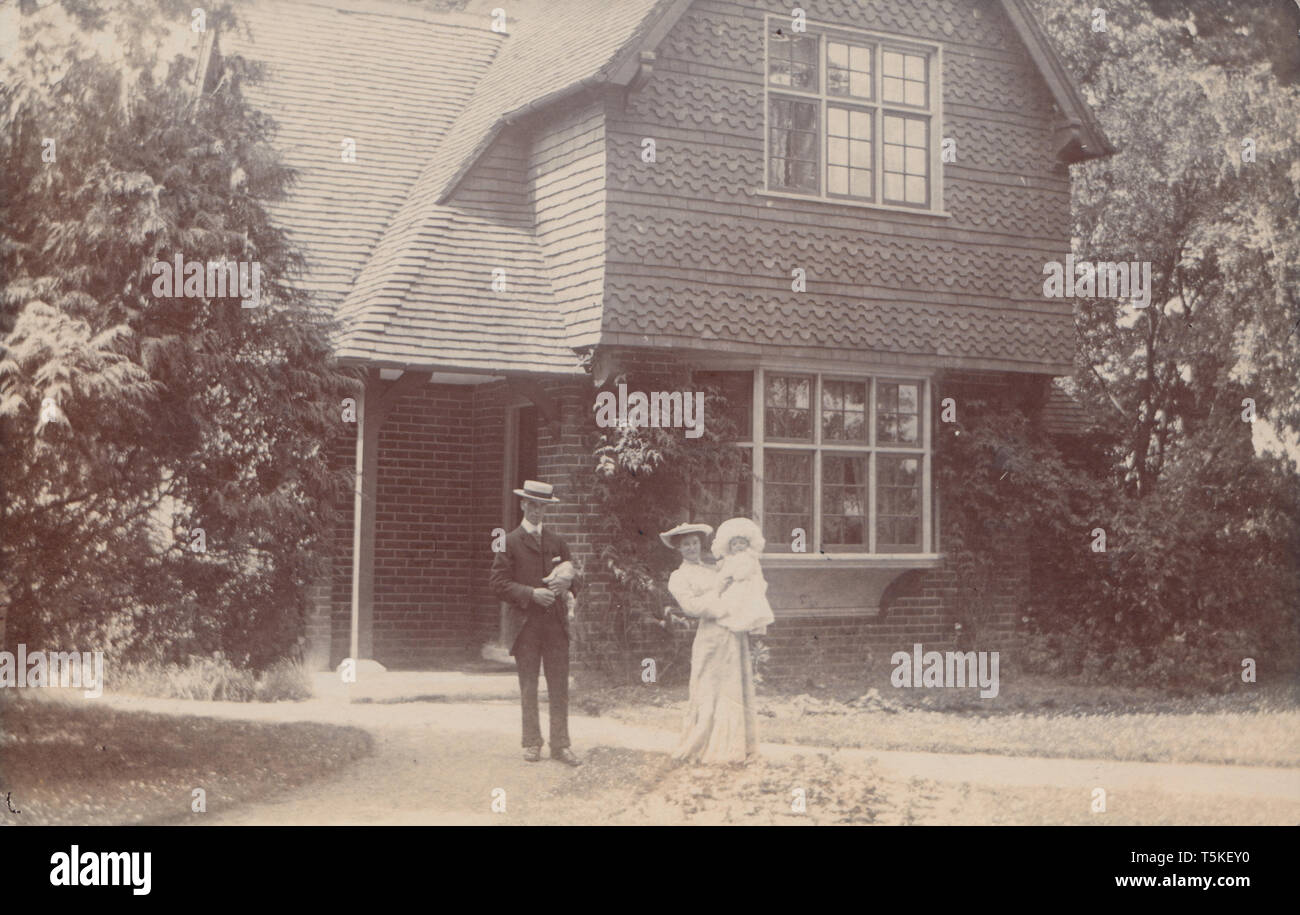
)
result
[(1202, 101), (138, 428)]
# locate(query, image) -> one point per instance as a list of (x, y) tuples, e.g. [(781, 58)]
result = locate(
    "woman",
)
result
[(721, 724)]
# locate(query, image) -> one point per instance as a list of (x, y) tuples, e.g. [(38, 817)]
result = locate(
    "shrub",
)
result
[(213, 678)]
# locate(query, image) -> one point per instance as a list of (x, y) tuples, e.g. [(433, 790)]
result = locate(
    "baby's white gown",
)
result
[(743, 605)]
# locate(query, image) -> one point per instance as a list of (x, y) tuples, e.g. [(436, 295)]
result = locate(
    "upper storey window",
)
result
[(852, 116)]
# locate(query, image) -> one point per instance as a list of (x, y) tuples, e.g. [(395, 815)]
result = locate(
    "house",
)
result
[(841, 216)]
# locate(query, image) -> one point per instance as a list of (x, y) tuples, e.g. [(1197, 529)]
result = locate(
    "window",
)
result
[(850, 116), (845, 459)]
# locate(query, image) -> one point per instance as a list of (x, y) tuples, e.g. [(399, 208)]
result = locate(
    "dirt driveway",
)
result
[(459, 763)]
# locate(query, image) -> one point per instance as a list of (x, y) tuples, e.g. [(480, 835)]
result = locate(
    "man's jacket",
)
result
[(520, 568)]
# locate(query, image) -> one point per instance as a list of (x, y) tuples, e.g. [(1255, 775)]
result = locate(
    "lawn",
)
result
[(72, 762), (1032, 716)]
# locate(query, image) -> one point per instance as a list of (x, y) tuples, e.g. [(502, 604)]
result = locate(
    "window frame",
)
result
[(758, 445), (879, 42)]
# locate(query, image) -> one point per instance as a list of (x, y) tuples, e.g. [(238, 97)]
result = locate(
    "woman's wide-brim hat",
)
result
[(738, 527), (668, 537), (538, 492)]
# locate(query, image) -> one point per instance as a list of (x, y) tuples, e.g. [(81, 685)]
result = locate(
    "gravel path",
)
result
[(441, 762)]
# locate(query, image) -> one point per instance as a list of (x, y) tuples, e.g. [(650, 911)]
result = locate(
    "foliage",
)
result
[(213, 677), (643, 481), (130, 421), (1199, 508), (1004, 491), (1194, 577), (1206, 188)]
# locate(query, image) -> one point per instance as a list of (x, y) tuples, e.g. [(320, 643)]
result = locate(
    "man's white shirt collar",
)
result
[(528, 526)]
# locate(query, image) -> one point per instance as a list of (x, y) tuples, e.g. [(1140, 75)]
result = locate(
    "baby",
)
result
[(742, 596), (562, 575)]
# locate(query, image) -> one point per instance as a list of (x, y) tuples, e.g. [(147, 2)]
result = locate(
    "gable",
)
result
[(702, 248)]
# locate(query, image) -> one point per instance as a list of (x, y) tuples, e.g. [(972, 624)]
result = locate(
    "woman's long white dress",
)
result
[(721, 723)]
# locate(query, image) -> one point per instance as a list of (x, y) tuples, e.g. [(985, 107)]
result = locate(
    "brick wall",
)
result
[(440, 497)]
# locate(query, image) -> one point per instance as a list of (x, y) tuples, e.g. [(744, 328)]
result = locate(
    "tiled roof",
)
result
[(560, 46), (410, 301), (358, 71)]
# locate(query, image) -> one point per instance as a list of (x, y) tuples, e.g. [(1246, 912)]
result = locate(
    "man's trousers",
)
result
[(542, 643)]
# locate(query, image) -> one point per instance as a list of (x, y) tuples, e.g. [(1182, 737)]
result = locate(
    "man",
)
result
[(537, 622)]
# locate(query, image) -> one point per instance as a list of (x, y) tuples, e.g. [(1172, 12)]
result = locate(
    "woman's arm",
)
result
[(690, 596)]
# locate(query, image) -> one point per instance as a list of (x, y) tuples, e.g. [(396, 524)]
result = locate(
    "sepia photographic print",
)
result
[(650, 412)]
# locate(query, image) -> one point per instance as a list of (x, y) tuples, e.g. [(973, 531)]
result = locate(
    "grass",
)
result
[(1032, 716), (70, 762), (213, 678)]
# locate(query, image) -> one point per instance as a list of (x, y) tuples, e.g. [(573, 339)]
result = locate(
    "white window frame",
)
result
[(927, 553), (877, 105)]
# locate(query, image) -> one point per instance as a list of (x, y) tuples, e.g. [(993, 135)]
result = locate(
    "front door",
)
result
[(520, 465)]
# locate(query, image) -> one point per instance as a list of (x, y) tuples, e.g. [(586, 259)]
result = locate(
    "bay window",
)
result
[(844, 459)]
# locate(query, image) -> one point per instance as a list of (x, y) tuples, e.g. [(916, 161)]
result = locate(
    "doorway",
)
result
[(520, 465)]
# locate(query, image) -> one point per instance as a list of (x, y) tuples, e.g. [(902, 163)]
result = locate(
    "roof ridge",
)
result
[(394, 10)]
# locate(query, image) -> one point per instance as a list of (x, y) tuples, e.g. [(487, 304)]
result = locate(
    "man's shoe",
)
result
[(532, 754), (565, 755)]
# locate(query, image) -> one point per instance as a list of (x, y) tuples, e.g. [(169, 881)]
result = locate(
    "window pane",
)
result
[(852, 150), (802, 145), (804, 176), (848, 70), (800, 392), (855, 427), (898, 500), (792, 59), (906, 78), (843, 411), (898, 411), (844, 500), (727, 492), (915, 161), (793, 143), (837, 121), (787, 496), (906, 159), (894, 130), (788, 407), (730, 395)]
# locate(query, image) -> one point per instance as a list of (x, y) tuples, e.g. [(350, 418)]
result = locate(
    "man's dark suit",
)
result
[(538, 636)]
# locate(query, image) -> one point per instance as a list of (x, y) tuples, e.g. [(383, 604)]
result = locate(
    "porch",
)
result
[(435, 457)]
